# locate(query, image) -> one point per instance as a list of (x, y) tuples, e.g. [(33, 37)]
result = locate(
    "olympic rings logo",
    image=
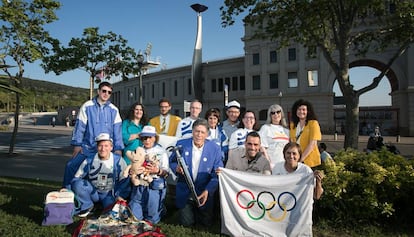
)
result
[(286, 202)]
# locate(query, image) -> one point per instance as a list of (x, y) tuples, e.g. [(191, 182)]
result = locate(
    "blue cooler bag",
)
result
[(59, 208)]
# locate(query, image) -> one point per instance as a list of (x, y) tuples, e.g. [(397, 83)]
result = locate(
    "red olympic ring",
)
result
[(250, 204)]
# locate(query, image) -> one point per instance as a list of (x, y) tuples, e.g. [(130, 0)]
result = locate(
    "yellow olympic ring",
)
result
[(273, 218)]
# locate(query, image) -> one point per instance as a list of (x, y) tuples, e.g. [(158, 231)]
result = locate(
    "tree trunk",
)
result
[(90, 87), (351, 121), (16, 124)]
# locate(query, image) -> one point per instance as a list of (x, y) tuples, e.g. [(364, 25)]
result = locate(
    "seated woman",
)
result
[(147, 201)]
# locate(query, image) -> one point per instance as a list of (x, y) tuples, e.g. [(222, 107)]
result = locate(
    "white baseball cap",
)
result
[(103, 137), (233, 103), (148, 131)]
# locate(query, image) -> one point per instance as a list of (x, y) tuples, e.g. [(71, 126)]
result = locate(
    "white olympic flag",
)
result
[(266, 205)]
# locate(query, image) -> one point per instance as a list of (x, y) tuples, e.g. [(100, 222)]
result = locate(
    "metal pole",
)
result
[(140, 85)]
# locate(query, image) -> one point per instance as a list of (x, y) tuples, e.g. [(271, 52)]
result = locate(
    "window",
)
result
[(263, 114), (256, 59), (292, 54), (214, 85), (220, 84), (175, 88), (313, 78), (163, 89), (190, 86), (273, 56), (227, 82), (234, 83), (273, 81), (256, 82), (293, 79), (152, 91), (242, 83), (143, 92)]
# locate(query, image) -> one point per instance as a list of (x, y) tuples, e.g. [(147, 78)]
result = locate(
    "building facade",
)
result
[(267, 75)]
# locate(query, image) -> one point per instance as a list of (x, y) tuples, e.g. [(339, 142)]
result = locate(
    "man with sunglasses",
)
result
[(97, 116)]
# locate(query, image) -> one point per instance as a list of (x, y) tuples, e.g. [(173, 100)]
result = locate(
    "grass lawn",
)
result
[(21, 214)]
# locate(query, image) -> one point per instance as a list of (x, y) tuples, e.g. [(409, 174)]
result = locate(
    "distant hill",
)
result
[(33, 84), (44, 96)]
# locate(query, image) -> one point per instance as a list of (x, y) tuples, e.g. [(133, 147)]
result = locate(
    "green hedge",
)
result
[(374, 188)]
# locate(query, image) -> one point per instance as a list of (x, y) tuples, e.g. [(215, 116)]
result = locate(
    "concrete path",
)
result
[(49, 165)]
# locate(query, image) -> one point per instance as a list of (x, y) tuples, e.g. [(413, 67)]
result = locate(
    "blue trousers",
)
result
[(146, 202), (87, 195)]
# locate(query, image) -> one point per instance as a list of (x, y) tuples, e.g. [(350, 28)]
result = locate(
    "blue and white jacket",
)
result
[(94, 119)]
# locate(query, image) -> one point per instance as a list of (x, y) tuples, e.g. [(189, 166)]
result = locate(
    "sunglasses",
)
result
[(145, 138), (106, 91), (275, 112)]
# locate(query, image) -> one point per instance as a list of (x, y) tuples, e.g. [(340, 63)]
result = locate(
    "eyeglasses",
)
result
[(106, 91), (251, 118), (275, 112), (145, 138)]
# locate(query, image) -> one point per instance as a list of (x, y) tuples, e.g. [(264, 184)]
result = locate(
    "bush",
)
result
[(373, 188)]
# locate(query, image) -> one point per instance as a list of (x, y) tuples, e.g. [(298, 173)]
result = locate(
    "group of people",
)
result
[(102, 142)]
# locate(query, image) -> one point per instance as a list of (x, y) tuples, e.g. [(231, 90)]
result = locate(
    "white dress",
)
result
[(274, 138)]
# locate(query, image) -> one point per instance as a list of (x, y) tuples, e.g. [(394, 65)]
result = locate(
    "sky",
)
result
[(170, 26)]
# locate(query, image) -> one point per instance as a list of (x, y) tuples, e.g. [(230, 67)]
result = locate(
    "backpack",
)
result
[(59, 208)]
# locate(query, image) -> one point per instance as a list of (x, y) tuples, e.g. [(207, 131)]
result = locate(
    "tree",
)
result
[(23, 40), (101, 56), (336, 28)]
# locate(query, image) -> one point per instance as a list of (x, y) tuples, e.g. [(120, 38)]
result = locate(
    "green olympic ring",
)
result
[(261, 205)]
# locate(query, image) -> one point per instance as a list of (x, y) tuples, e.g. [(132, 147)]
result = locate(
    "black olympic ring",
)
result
[(272, 203)]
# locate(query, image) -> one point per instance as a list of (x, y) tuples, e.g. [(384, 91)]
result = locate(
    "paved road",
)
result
[(43, 151)]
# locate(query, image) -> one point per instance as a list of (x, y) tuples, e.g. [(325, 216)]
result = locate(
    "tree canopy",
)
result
[(23, 39), (100, 55), (336, 28)]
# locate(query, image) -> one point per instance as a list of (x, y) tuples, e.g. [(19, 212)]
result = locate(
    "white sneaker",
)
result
[(85, 213)]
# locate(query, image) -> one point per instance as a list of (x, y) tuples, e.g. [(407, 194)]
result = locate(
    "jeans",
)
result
[(87, 195), (146, 202), (191, 214)]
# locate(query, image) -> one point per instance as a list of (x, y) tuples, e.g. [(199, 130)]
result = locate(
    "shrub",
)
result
[(367, 188)]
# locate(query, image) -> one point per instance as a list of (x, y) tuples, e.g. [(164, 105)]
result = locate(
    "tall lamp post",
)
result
[(140, 61), (196, 69)]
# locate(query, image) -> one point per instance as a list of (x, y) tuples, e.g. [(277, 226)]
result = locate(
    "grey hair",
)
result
[(202, 122), (276, 107)]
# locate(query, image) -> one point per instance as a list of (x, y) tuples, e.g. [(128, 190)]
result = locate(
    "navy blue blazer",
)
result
[(207, 179)]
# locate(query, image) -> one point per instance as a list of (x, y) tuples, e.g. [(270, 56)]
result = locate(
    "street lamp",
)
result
[(140, 61), (196, 69)]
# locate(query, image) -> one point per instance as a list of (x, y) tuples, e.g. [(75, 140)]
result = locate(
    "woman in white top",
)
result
[(292, 165), (248, 124), (274, 134)]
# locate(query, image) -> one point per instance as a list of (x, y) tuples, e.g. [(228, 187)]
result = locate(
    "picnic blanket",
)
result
[(110, 225)]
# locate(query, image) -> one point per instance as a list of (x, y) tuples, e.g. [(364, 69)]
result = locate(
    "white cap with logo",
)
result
[(103, 137), (233, 103)]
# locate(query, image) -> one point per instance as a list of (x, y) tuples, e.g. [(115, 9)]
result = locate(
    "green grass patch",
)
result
[(21, 214)]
